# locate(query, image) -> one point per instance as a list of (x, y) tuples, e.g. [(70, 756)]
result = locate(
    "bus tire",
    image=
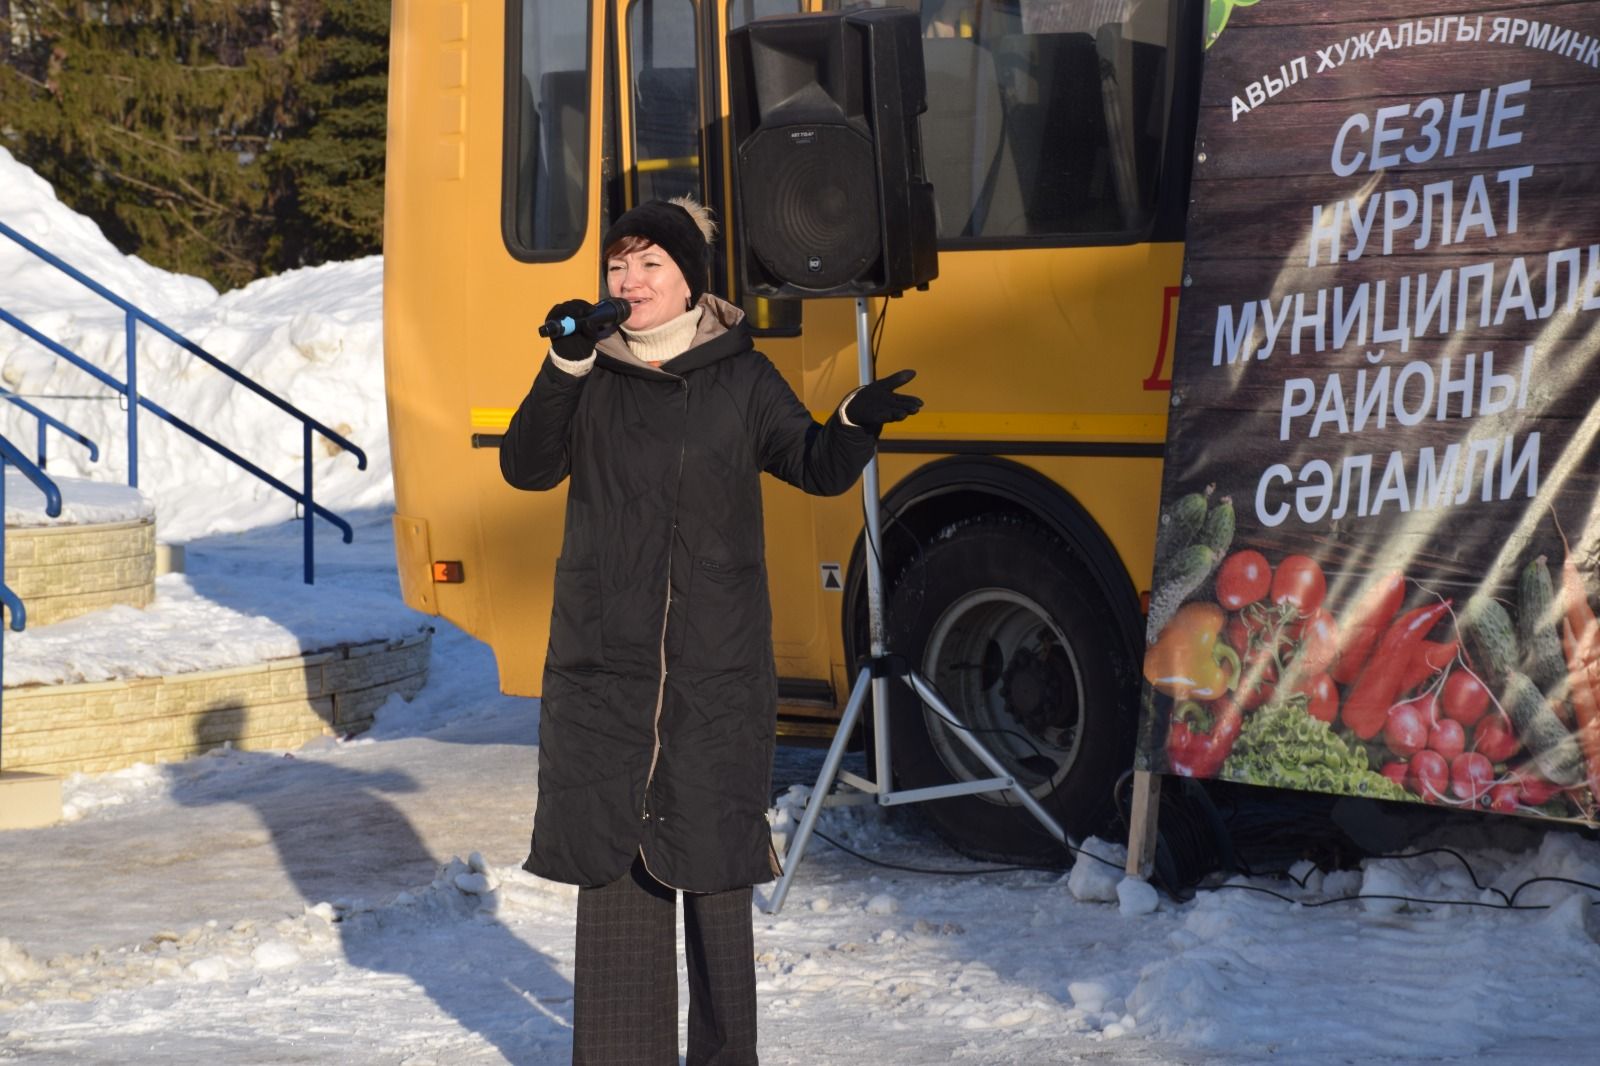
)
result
[(1012, 629)]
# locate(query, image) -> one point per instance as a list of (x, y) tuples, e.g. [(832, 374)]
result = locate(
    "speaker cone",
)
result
[(810, 202)]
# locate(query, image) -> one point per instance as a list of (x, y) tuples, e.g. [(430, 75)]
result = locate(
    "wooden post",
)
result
[(1142, 830)]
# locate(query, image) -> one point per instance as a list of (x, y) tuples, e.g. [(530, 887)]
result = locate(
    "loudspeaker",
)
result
[(830, 194)]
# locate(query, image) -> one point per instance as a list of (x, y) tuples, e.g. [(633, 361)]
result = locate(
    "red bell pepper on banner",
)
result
[(1200, 738)]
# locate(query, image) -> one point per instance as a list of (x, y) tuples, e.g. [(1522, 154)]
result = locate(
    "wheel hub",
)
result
[(1030, 689), (1009, 675)]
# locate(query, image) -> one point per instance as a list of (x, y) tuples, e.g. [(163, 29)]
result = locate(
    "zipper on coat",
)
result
[(661, 690), (661, 687)]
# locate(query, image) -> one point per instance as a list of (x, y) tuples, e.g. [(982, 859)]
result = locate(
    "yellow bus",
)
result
[(1020, 504)]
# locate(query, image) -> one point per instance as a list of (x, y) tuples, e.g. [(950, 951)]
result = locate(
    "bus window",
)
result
[(547, 134), (743, 11), (664, 76), (1045, 117)]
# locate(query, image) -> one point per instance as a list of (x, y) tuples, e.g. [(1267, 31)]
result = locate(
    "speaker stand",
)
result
[(873, 679)]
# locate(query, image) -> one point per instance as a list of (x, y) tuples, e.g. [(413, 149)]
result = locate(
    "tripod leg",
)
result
[(830, 769), (930, 695)]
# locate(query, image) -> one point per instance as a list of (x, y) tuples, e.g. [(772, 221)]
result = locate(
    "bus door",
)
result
[(669, 141)]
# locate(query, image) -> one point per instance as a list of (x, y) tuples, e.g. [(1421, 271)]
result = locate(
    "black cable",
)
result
[(876, 336), (1374, 895), (1462, 859), (991, 870), (1508, 902), (1186, 894), (1243, 888), (922, 870), (1185, 846), (1173, 834), (1560, 880), (926, 870)]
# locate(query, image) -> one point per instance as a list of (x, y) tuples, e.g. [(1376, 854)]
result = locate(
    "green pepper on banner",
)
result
[(1376, 564)]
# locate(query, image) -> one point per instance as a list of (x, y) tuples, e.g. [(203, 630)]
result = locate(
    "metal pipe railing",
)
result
[(133, 318), (10, 454), (48, 421)]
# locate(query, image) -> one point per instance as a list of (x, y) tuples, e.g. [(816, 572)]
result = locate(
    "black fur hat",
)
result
[(679, 233)]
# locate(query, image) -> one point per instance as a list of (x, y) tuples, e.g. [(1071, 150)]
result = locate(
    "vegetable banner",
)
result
[(1377, 560)]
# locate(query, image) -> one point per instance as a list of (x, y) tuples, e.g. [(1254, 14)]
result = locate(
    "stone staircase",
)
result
[(64, 569), (105, 554)]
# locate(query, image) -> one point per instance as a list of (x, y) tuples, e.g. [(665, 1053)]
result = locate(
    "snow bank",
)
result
[(313, 336)]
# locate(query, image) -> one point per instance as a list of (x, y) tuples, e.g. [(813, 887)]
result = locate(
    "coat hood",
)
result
[(722, 333)]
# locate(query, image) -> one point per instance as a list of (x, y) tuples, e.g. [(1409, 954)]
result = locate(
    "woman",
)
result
[(659, 696)]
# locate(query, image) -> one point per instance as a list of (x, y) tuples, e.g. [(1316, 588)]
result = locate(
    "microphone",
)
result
[(605, 315)]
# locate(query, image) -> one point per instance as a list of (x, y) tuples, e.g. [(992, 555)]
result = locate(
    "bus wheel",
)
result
[(1012, 629)]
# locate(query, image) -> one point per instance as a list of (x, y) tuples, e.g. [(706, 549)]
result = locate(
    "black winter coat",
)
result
[(660, 696)]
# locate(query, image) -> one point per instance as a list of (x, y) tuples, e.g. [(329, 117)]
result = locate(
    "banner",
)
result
[(1376, 567)]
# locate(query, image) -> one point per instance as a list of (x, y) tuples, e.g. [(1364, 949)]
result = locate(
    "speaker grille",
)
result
[(810, 200)]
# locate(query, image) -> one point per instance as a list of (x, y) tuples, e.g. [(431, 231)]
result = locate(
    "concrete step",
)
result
[(100, 552)]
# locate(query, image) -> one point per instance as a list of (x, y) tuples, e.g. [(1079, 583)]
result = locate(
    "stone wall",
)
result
[(61, 572), (92, 728)]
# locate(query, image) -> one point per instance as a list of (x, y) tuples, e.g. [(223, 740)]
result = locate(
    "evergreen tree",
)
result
[(223, 138), (327, 173)]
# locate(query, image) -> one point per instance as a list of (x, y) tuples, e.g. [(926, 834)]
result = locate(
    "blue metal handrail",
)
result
[(48, 421), (133, 317), (9, 453)]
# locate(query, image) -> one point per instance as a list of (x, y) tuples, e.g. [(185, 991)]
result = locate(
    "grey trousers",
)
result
[(625, 994)]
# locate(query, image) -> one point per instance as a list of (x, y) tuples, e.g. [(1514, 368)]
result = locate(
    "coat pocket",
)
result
[(577, 635), (728, 625)]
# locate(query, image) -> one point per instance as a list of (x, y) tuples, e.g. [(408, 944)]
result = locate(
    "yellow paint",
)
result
[(987, 425), (652, 166), (491, 419)]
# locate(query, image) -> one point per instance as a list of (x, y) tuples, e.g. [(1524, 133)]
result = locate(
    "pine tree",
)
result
[(223, 138), (327, 173)]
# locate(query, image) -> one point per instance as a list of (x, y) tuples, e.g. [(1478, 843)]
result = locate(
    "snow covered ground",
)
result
[(360, 901)]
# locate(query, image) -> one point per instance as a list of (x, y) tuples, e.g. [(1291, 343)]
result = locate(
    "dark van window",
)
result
[(547, 134), (1045, 118), (665, 99), (742, 11)]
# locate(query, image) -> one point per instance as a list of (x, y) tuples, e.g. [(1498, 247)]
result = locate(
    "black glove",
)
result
[(876, 402), (579, 345)]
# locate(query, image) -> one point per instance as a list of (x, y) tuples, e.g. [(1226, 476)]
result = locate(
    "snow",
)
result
[(82, 502), (361, 901), (1136, 896), (1097, 881), (226, 610), (315, 335)]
